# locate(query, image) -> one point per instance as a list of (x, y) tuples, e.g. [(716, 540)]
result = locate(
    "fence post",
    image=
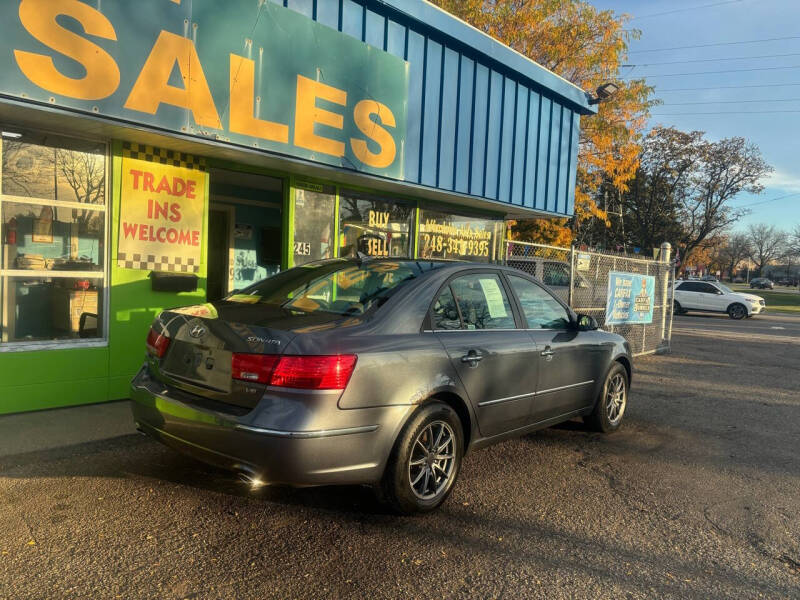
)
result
[(571, 275), (665, 256)]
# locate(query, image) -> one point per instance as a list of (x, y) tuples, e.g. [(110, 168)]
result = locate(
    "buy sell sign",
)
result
[(161, 217)]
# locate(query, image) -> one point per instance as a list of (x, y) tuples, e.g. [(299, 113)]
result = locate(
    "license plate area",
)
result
[(194, 363)]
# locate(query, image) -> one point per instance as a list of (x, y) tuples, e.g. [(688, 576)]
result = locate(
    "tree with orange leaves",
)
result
[(587, 47)]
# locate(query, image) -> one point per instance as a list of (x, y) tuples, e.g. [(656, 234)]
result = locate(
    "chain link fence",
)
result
[(581, 277)]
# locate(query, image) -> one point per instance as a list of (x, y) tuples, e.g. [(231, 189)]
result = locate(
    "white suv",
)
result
[(710, 296)]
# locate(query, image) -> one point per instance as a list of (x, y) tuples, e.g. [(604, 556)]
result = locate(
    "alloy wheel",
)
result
[(737, 311), (432, 460), (616, 398)]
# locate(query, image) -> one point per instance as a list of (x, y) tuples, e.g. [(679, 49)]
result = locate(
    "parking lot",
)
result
[(697, 496)]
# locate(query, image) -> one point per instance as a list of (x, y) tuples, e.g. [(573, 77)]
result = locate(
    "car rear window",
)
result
[(339, 287)]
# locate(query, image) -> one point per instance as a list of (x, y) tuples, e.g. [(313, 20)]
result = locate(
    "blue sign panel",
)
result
[(630, 298)]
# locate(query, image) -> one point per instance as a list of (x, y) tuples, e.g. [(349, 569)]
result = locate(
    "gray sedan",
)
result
[(375, 371)]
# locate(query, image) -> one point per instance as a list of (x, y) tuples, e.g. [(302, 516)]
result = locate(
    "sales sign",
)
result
[(243, 72), (630, 298), (161, 217)]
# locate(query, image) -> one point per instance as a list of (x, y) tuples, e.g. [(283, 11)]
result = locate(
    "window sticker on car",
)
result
[(494, 298)]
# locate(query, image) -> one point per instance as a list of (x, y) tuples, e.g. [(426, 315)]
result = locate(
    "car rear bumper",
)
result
[(352, 449)]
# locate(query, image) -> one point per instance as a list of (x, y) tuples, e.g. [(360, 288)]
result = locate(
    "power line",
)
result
[(767, 201), (733, 112), (730, 101), (728, 87), (701, 60), (710, 72), (737, 43), (678, 10)]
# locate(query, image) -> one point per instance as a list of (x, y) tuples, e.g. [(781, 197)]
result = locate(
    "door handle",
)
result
[(548, 353), (472, 357)]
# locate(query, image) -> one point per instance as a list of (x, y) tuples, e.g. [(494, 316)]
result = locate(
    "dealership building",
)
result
[(167, 153)]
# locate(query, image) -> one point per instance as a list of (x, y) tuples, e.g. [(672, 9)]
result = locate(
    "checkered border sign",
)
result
[(163, 156), (150, 262)]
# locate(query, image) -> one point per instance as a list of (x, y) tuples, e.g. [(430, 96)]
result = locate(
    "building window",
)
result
[(314, 207), (53, 228), (445, 235), (373, 226)]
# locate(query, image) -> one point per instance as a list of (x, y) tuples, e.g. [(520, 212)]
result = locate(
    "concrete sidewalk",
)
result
[(47, 429)]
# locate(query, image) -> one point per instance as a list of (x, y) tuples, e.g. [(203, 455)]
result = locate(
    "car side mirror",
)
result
[(586, 323)]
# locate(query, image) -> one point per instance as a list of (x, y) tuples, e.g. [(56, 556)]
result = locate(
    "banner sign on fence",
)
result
[(630, 298), (583, 262)]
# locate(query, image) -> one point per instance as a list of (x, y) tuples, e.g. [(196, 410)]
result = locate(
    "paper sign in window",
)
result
[(494, 298)]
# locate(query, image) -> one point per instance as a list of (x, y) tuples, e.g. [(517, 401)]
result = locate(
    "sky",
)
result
[(766, 112)]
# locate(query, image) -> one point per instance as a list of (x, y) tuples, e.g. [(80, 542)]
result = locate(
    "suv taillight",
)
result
[(157, 343), (302, 372)]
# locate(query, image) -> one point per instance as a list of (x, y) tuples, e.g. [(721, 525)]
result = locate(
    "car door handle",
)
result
[(548, 353), (472, 357)]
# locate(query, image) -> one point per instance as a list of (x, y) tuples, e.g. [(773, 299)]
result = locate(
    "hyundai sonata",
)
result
[(375, 371)]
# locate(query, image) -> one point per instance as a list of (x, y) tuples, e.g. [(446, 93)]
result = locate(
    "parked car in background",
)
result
[(788, 281), (761, 283), (376, 371), (707, 296), (555, 274)]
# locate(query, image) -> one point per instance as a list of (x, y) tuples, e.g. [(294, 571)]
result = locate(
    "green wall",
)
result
[(34, 380)]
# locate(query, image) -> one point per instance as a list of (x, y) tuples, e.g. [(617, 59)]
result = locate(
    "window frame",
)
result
[(428, 322), (105, 275)]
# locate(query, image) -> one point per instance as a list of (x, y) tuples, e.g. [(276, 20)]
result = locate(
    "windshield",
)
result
[(725, 288), (339, 287)]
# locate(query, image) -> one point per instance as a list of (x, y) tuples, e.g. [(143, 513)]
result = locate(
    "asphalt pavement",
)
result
[(697, 496)]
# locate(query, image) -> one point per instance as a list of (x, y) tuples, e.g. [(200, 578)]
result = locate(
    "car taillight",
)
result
[(157, 343), (303, 372), (253, 367)]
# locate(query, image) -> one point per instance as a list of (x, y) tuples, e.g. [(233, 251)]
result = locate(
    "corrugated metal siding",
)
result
[(473, 128)]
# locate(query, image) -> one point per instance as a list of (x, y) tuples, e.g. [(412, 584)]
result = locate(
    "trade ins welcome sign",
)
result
[(245, 72), (161, 217)]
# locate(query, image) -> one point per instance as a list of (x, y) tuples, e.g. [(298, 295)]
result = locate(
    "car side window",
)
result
[(707, 288), (541, 309), (483, 302), (445, 313), (692, 286)]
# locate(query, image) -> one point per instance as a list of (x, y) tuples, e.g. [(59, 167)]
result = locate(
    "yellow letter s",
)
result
[(102, 74)]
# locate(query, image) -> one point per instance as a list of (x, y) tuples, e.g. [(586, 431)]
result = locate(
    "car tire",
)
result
[(677, 308), (604, 417), (411, 488), (737, 311)]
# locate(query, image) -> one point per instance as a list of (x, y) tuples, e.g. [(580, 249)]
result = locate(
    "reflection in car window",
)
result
[(555, 274), (445, 313), (483, 302), (339, 287), (541, 310)]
